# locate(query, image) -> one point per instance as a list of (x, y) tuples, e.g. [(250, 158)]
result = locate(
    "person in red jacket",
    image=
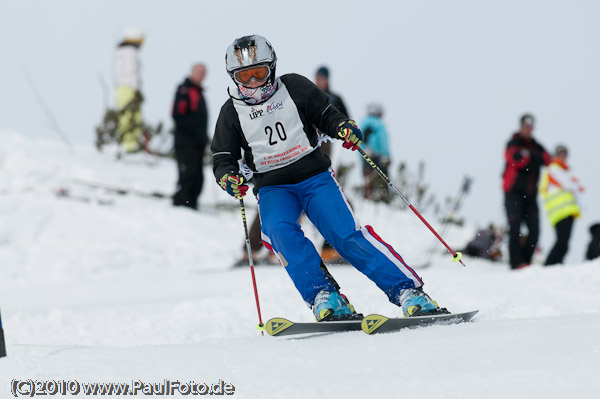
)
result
[(524, 158), (191, 117)]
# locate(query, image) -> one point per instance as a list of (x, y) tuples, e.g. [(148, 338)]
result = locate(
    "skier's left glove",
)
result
[(350, 133), (234, 184)]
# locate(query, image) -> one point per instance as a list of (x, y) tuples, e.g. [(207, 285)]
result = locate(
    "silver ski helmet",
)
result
[(249, 51)]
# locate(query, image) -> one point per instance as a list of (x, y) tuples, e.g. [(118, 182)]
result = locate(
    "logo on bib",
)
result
[(274, 107), (255, 113)]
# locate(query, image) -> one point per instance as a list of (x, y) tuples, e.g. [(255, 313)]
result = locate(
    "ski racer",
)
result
[(268, 125)]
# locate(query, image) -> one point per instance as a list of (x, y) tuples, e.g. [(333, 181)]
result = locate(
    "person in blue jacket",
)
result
[(376, 145), (266, 132)]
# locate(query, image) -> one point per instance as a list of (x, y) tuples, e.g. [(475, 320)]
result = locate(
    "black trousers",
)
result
[(191, 177), (561, 246), (521, 209)]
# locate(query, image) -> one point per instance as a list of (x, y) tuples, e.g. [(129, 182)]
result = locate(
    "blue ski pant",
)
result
[(321, 198)]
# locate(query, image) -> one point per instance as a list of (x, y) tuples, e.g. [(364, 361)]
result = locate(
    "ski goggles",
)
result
[(259, 72)]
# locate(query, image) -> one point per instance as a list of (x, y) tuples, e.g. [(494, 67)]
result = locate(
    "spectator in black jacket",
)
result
[(190, 116), (322, 82), (524, 158), (328, 253)]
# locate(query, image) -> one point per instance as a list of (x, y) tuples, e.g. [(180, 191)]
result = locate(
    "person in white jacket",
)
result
[(128, 85), (558, 188)]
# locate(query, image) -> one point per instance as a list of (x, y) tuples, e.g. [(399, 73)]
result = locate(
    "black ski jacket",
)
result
[(336, 100), (314, 109), (190, 115)]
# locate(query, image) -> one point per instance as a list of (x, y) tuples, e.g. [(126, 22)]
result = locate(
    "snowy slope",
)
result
[(102, 287)]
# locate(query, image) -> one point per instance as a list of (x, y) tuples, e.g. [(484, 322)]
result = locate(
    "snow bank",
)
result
[(118, 288)]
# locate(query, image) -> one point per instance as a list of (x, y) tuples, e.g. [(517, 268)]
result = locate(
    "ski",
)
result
[(371, 324), (279, 327), (374, 323)]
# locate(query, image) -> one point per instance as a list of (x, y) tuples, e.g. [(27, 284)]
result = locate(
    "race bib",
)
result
[(274, 131)]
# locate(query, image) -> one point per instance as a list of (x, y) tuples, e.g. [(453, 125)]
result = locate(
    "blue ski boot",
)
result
[(331, 306), (415, 302)]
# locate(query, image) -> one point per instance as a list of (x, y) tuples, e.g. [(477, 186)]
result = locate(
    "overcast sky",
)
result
[(453, 76)]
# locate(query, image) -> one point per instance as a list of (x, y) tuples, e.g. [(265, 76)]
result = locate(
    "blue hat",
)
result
[(323, 71)]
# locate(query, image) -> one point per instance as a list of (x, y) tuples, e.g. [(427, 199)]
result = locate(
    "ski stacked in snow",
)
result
[(371, 324)]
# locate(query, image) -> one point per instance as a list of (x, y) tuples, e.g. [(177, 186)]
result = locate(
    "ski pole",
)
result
[(456, 256), (445, 222), (261, 327)]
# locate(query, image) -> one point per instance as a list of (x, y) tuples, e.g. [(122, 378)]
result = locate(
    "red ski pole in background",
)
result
[(261, 327), (456, 256)]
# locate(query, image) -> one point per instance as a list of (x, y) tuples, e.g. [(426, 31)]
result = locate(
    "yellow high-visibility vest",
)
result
[(559, 203)]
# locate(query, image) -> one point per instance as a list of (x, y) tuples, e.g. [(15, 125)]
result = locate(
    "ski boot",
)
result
[(331, 306), (415, 302)]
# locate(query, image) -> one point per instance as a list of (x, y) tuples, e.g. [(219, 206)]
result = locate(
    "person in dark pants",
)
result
[(190, 116), (558, 187), (328, 253), (524, 158), (561, 246), (322, 82), (593, 249)]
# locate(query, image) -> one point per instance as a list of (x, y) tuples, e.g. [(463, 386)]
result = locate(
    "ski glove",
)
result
[(233, 183), (350, 133)]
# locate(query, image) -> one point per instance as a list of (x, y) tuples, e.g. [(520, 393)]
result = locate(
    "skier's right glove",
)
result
[(233, 183), (350, 133)]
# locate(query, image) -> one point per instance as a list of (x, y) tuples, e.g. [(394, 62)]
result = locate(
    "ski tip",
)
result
[(372, 322), (276, 325), (462, 316)]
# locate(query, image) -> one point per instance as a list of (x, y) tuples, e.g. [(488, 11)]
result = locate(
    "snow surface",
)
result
[(102, 287)]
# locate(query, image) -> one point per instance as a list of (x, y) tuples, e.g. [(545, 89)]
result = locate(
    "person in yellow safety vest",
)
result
[(558, 188), (128, 83)]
